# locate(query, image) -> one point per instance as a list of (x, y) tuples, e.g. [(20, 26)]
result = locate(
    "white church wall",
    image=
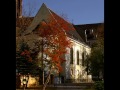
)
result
[(74, 71)]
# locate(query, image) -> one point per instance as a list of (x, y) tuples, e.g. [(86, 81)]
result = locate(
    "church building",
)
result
[(74, 67)]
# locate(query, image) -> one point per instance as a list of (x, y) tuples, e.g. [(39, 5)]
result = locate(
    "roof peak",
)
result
[(43, 4)]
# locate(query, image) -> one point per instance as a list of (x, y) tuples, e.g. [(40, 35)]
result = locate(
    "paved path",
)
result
[(73, 86), (51, 89)]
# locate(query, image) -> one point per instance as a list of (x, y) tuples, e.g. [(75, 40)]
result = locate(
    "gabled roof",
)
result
[(43, 14), (61, 21), (71, 30), (88, 26), (81, 28)]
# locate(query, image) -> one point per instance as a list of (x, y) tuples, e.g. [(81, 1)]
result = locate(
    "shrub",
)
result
[(99, 85)]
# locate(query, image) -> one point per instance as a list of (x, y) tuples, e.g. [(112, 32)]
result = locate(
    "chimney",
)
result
[(18, 8)]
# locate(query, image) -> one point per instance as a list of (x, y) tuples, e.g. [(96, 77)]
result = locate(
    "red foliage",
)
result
[(27, 55), (55, 34)]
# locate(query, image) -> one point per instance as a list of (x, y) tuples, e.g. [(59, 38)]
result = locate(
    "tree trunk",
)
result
[(42, 61), (47, 80)]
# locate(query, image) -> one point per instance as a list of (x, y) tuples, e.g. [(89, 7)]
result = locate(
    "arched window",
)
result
[(71, 56), (83, 58), (77, 57)]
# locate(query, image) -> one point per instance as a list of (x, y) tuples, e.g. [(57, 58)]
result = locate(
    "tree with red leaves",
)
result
[(51, 46), (54, 42)]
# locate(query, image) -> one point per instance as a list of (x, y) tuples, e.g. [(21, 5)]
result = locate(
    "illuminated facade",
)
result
[(73, 68)]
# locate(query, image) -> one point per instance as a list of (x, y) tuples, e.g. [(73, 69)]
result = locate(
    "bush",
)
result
[(99, 85)]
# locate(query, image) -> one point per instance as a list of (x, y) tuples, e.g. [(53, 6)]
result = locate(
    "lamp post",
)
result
[(25, 80)]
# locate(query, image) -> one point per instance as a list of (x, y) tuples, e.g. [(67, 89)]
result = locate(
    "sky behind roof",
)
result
[(77, 11)]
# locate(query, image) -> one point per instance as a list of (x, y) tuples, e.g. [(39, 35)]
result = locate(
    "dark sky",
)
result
[(77, 11)]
